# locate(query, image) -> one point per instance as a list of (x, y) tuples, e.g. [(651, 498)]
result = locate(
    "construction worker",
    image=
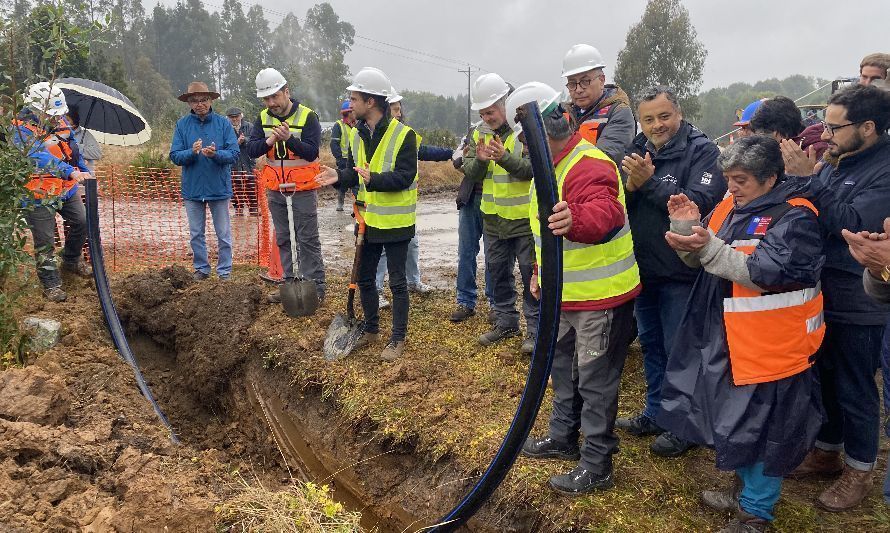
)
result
[(495, 159), (289, 134), (425, 152), (600, 282), (745, 116), (341, 133), (383, 162), (53, 185), (600, 111)]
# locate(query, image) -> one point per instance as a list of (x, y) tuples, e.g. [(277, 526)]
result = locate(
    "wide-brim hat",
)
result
[(196, 88)]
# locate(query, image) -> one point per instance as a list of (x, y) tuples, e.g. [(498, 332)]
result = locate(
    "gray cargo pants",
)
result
[(591, 347), (306, 227), (500, 257)]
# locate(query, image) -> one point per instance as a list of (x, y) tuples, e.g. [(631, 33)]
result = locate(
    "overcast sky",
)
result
[(526, 40)]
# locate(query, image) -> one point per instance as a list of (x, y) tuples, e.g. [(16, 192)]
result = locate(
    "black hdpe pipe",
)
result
[(550, 272), (108, 309)]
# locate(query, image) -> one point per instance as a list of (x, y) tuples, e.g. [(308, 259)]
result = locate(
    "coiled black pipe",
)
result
[(108, 309), (550, 279)]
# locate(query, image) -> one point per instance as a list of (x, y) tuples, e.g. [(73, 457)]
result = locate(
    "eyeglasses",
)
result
[(583, 83), (199, 99), (831, 128)]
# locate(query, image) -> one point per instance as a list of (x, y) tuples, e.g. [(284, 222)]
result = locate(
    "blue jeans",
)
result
[(197, 216), (412, 269), (659, 309), (759, 493), (847, 362), (469, 231)]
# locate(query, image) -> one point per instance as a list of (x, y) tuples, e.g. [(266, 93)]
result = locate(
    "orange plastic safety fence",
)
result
[(143, 222)]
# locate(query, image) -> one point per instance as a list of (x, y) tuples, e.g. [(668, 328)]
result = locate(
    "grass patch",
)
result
[(450, 398)]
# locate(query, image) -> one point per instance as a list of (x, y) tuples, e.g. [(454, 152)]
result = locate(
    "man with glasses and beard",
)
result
[(851, 194)]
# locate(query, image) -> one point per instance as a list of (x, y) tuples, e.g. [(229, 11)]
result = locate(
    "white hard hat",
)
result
[(488, 89), (534, 91), (581, 58), (268, 82), (50, 100), (371, 80), (395, 96)]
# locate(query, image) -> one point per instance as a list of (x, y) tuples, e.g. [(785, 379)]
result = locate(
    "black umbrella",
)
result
[(109, 115)]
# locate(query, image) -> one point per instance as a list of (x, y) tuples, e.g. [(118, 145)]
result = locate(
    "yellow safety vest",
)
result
[(345, 137), (385, 210), (502, 194), (591, 271), (284, 166)]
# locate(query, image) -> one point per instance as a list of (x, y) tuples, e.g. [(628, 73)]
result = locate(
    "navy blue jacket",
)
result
[(774, 423), (205, 178), (434, 153), (686, 164), (854, 196)]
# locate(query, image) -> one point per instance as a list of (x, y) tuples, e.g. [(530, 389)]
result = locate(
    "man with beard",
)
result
[(851, 194)]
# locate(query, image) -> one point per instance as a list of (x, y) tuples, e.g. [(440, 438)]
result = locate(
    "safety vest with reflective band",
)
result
[(345, 138), (593, 125), (46, 184), (385, 210), (503, 195), (770, 336), (282, 165), (591, 271)]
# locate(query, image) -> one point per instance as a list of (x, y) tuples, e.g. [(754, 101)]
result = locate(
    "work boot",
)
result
[(420, 288), (724, 500), (366, 339), (496, 335), (547, 448), (745, 523), (581, 481), (848, 491), (669, 445), (462, 313), (55, 294), (492, 317), (819, 463), (393, 350), (274, 297), (638, 426), (384, 303), (528, 345), (200, 276), (80, 268)]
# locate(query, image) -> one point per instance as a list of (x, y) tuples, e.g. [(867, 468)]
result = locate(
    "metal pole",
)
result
[(469, 73)]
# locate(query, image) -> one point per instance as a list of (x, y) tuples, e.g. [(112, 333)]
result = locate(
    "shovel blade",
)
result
[(343, 334), (299, 297)]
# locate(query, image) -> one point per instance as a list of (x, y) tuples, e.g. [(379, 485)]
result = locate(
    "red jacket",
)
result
[(591, 190)]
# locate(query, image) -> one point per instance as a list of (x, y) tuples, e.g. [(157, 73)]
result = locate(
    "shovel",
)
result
[(299, 296), (345, 331)]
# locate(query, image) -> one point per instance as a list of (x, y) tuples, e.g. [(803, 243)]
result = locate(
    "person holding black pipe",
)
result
[(600, 282)]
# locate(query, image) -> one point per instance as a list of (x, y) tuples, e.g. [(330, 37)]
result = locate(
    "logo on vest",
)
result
[(759, 225)]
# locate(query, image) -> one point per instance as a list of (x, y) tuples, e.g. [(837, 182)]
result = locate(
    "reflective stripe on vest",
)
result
[(502, 194), (345, 138), (282, 165), (48, 185), (591, 128), (385, 210), (591, 271), (769, 336)]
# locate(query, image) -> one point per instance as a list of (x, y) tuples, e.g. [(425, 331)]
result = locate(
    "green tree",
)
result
[(326, 39), (663, 49)]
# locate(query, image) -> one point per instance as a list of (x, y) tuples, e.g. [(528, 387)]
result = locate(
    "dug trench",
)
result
[(222, 376)]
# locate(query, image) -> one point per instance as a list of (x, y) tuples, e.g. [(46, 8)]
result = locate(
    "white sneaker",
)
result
[(420, 288), (384, 303)]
